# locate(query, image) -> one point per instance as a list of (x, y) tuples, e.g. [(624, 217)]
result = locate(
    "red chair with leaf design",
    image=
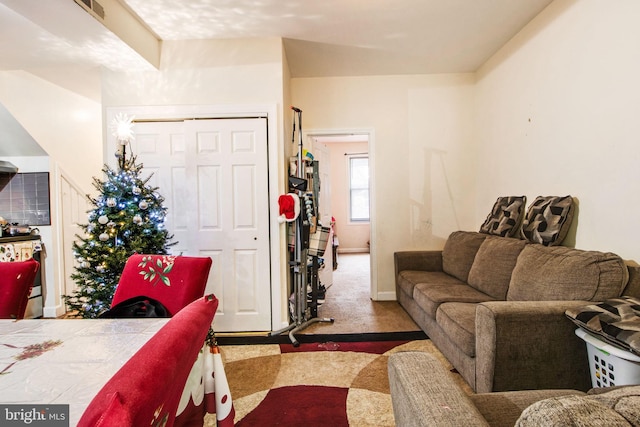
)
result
[(146, 391), (16, 282), (174, 281)]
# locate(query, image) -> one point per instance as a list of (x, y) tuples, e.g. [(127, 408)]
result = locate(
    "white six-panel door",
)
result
[(214, 177)]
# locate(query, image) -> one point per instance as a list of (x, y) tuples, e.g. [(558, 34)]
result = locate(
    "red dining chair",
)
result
[(146, 391), (174, 281), (16, 282)]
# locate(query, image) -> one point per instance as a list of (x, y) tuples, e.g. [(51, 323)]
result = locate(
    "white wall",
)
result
[(66, 125), (423, 164), (556, 114)]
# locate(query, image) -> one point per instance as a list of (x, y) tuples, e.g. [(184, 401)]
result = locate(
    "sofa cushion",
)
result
[(493, 264), (459, 252), (408, 279), (458, 321), (616, 320), (617, 407), (505, 216), (545, 273), (570, 411), (504, 408), (548, 220), (429, 296)]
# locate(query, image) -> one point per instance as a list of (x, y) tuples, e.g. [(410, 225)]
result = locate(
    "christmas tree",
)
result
[(127, 217)]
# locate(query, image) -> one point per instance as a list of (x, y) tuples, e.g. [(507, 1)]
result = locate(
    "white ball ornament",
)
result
[(143, 205), (111, 202), (137, 219), (103, 237), (103, 219), (136, 190)]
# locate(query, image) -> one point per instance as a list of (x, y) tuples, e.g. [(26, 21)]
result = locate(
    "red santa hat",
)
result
[(289, 207)]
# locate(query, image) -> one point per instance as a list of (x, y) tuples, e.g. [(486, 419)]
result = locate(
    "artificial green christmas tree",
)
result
[(127, 217)]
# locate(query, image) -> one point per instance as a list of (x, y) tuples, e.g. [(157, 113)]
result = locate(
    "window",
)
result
[(359, 188), (25, 199)]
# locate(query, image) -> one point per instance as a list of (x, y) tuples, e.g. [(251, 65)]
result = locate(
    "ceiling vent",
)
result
[(93, 7)]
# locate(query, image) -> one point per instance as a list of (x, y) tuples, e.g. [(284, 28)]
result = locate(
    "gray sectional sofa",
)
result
[(424, 394), (495, 307)]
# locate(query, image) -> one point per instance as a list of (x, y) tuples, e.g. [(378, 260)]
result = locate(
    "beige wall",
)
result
[(420, 154), (557, 114), (352, 236)]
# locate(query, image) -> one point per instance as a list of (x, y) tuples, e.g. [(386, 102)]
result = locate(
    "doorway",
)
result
[(335, 151)]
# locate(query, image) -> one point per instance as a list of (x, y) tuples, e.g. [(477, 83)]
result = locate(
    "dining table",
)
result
[(67, 361)]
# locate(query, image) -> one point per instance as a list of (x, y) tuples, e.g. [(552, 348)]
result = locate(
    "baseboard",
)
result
[(386, 296), (353, 251)]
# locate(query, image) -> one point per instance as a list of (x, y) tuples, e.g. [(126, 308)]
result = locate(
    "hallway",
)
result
[(348, 301)]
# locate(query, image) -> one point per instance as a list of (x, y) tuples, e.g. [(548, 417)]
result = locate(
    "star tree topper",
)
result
[(122, 129)]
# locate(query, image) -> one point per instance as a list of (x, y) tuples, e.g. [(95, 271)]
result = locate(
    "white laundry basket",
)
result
[(610, 365)]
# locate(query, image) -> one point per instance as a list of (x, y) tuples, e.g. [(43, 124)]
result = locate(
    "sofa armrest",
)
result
[(529, 345), (418, 261), (424, 394)]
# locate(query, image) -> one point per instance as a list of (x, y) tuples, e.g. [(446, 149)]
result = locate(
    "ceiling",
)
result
[(59, 41)]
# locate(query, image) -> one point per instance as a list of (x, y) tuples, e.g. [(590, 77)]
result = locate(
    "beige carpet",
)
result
[(348, 301)]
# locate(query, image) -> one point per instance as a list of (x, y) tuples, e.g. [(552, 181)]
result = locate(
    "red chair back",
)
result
[(16, 282), (147, 389), (174, 281)]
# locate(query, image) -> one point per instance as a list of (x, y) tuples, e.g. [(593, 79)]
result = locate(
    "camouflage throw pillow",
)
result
[(505, 217), (548, 220)]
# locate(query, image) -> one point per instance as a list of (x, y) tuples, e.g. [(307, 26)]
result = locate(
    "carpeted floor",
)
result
[(348, 301), (315, 384)]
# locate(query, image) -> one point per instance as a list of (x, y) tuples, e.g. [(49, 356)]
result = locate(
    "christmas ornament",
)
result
[(111, 202), (137, 219), (111, 224), (103, 219), (136, 191), (143, 205), (103, 237)]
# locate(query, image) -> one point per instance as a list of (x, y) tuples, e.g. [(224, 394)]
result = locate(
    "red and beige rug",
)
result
[(315, 384)]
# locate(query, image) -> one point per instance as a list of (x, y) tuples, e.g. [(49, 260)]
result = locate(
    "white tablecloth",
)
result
[(82, 355)]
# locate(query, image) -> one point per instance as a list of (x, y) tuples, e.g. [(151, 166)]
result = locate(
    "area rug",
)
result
[(328, 383)]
